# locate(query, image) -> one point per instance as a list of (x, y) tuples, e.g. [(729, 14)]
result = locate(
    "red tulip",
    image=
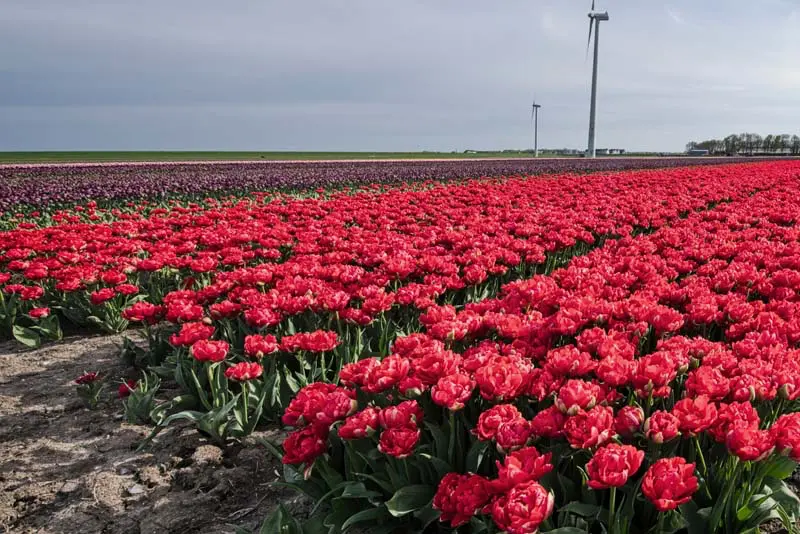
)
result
[(590, 429), (305, 445), (39, 313), (523, 508), (628, 421), (209, 351), (521, 466), (126, 388), (244, 371), (459, 497), (399, 442), (490, 420), (259, 346), (662, 427), (360, 425), (669, 483), (695, 415), (612, 465), (452, 391)]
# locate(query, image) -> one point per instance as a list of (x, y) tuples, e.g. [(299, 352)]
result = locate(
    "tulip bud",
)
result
[(661, 426), (628, 421), (411, 387)]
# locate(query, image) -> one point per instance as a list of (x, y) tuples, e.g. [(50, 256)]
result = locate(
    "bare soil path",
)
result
[(67, 469)]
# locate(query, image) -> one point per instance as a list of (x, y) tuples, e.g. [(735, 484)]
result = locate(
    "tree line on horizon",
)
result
[(750, 144)]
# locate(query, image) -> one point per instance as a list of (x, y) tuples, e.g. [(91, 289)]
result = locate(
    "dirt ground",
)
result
[(67, 469)]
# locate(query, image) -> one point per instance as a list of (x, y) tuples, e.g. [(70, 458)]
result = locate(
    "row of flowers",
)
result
[(26, 187), (649, 386), (342, 296), (352, 256)]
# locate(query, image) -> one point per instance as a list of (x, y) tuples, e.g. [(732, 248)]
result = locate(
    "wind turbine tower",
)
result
[(595, 17), (535, 121)]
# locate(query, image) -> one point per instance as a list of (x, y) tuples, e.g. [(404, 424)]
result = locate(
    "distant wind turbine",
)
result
[(535, 124), (594, 17)]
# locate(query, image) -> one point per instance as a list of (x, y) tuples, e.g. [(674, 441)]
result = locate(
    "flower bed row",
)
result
[(27, 187), (303, 319), (415, 245), (649, 386)]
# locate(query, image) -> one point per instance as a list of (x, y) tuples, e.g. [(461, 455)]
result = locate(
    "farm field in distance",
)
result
[(122, 156), (476, 345), (180, 156)]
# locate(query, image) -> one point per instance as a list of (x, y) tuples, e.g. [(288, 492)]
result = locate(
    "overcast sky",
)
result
[(381, 75)]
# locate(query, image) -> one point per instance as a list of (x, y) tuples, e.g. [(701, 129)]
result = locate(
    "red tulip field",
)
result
[(614, 351)]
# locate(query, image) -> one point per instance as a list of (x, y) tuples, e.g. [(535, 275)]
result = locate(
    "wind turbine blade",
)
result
[(592, 5), (589, 40)]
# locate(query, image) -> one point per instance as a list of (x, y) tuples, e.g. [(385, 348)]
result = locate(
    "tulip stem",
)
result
[(211, 369), (452, 445), (756, 479), (302, 361), (245, 394), (722, 504), (661, 517), (611, 506), (776, 412), (696, 440)]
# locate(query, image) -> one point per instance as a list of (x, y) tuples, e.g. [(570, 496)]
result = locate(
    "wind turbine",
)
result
[(594, 17), (535, 124)]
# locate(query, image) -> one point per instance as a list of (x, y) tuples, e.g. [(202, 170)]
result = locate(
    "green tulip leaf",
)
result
[(409, 499)]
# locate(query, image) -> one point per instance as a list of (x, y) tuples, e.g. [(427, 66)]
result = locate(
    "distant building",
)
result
[(609, 151), (697, 152)]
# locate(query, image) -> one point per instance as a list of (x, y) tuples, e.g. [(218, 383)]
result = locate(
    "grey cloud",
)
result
[(380, 75)]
